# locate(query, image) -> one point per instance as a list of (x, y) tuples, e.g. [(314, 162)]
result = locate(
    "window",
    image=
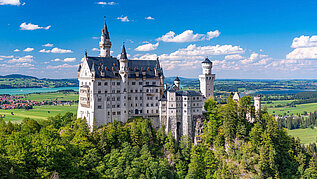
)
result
[(99, 107), (118, 83), (129, 98), (140, 83), (147, 104), (133, 83), (152, 104), (106, 91), (118, 105), (113, 91), (136, 90), (106, 83), (108, 113), (99, 99), (153, 83), (156, 90), (118, 91), (136, 98), (113, 98), (156, 111), (99, 83), (113, 83), (99, 92), (118, 98), (113, 113), (113, 106), (147, 83), (118, 113)]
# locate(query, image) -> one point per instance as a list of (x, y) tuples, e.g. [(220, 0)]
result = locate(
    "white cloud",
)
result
[(303, 53), (28, 49), (212, 34), (44, 51), (305, 48), (123, 19), (304, 41), (30, 26), (200, 52), (48, 45), (107, 3), (188, 36), (69, 59), (2, 56), (27, 58), (234, 57), (147, 47), (56, 50), (16, 50), (61, 66), (95, 49), (145, 57), (10, 2), (95, 37), (149, 18), (119, 55), (56, 60)]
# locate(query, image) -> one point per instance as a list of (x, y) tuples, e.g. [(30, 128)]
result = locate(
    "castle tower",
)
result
[(124, 84), (177, 83), (257, 104), (207, 79), (105, 43)]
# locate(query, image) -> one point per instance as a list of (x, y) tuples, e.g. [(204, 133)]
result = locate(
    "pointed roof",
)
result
[(206, 61), (123, 53), (105, 31)]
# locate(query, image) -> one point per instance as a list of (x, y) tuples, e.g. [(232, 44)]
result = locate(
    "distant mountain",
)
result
[(18, 76)]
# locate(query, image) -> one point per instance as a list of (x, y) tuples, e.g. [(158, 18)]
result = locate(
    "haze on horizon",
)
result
[(244, 39)]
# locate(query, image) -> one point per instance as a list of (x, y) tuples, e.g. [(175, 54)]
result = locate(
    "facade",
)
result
[(119, 89)]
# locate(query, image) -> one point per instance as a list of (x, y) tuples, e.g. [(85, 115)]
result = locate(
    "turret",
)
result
[(207, 80), (206, 66), (105, 43), (123, 64), (177, 83), (124, 72), (257, 104)]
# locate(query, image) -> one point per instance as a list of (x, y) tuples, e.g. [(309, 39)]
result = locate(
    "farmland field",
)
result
[(61, 96), (38, 113), (306, 136), (300, 108)]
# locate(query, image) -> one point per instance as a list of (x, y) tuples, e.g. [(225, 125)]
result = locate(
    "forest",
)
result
[(231, 147)]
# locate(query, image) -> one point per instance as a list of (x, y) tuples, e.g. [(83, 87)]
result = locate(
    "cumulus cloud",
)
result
[(56, 60), (56, 50), (16, 50), (10, 2), (234, 57), (149, 18), (61, 66), (147, 47), (305, 48), (303, 53), (28, 49), (200, 52), (107, 3), (29, 26), (123, 19), (304, 41), (145, 57), (48, 45), (188, 36), (69, 59), (95, 49), (2, 56), (27, 58)]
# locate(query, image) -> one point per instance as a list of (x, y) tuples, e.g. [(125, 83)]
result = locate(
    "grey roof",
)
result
[(123, 53), (111, 65), (206, 61), (105, 31), (187, 93)]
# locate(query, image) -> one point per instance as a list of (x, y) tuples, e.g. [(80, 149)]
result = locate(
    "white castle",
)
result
[(119, 89)]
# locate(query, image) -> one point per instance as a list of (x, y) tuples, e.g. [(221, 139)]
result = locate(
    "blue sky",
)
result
[(244, 38)]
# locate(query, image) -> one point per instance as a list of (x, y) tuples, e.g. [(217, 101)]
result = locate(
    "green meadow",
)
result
[(61, 96), (37, 113), (306, 136), (300, 108)]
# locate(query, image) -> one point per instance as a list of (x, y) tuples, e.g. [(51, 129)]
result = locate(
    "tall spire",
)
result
[(123, 52), (105, 30)]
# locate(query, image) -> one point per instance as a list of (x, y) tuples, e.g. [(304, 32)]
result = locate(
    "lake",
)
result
[(16, 91)]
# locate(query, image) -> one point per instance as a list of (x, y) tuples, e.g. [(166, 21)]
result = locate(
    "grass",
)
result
[(61, 96), (300, 108), (38, 113), (306, 136)]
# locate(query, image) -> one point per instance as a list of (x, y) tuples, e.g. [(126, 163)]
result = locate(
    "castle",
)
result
[(119, 89)]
